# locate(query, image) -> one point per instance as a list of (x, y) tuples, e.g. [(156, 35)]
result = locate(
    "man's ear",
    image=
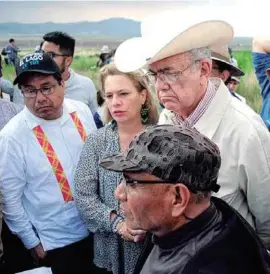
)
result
[(225, 75), (180, 200), (63, 83), (68, 61), (206, 68)]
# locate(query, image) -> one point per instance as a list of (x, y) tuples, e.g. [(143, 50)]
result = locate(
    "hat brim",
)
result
[(19, 77), (119, 163), (235, 79), (138, 52), (235, 71)]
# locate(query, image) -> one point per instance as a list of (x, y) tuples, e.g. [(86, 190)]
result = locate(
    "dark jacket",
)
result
[(235, 250)]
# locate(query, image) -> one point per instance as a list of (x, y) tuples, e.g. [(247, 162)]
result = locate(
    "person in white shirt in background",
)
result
[(180, 64), (40, 149), (60, 46)]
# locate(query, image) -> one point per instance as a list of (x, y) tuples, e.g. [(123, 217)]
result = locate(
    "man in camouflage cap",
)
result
[(169, 173)]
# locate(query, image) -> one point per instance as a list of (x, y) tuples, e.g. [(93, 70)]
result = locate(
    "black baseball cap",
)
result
[(174, 153), (36, 62)]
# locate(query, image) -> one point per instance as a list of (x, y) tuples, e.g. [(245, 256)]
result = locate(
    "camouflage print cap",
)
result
[(172, 153)]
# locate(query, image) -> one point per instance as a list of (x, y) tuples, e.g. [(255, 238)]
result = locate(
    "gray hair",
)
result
[(200, 54)]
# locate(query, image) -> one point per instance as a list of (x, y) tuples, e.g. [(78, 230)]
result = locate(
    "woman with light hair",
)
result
[(129, 108)]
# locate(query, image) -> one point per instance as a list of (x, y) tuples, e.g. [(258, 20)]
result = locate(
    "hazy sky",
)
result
[(247, 19)]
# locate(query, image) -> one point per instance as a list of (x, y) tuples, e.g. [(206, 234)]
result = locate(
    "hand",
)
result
[(38, 252), (130, 234)]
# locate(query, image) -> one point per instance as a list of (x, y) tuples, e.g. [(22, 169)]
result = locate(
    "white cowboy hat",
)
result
[(221, 54), (105, 49), (168, 34)]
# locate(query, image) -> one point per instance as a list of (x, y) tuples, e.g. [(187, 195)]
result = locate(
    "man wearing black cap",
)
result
[(169, 174), (40, 148)]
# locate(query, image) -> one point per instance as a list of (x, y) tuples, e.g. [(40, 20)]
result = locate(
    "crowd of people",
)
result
[(108, 180)]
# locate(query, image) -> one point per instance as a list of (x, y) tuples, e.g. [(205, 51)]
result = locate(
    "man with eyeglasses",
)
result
[(179, 58), (40, 148), (169, 174), (7, 111), (60, 46)]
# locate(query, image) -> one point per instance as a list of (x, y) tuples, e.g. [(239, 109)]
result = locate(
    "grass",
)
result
[(85, 63), (249, 86)]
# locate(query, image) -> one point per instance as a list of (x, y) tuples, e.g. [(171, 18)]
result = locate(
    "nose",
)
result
[(115, 100), (161, 85), (120, 193), (40, 97)]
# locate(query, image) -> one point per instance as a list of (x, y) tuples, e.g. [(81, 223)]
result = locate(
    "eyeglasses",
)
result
[(32, 92), (53, 54), (128, 181), (169, 77)]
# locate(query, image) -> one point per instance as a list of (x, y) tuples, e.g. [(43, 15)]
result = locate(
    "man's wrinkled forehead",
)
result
[(178, 61)]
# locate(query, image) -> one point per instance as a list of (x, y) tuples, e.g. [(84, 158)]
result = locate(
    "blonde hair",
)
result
[(140, 84)]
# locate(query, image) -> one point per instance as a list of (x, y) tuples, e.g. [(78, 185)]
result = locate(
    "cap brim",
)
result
[(135, 53), (19, 77), (119, 163), (235, 71)]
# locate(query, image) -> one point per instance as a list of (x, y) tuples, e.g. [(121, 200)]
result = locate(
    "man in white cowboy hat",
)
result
[(177, 53), (261, 63)]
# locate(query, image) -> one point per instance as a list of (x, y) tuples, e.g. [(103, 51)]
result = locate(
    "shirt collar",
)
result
[(194, 117), (34, 121)]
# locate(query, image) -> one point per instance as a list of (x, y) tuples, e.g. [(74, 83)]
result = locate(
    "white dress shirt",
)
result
[(244, 143), (34, 207)]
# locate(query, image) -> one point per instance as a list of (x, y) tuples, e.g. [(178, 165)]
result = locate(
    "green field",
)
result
[(84, 63), (249, 86)]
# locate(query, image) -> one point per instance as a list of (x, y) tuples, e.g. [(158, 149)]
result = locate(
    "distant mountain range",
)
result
[(113, 27)]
